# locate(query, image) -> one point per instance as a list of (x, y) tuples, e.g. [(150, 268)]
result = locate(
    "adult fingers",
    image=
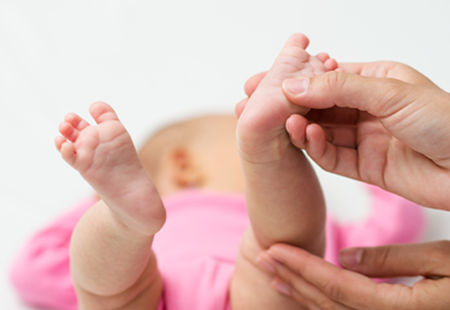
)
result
[(400, 260), (387, 69), (303, 292), (343, 286), (381, 97), (291, 284), (296, 126), (380, 69), (253, 82), (342, 160), (334, 116)]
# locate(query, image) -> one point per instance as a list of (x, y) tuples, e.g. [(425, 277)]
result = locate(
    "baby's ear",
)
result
[(183, 169)]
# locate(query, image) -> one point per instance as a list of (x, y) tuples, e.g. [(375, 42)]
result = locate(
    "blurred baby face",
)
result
[(198, 153), (217, 155)]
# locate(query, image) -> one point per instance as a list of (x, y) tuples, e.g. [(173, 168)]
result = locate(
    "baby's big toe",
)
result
[(102, 112), (297, 40)]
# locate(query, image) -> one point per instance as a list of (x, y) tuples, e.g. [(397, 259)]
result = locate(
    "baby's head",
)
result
[(198, 153)]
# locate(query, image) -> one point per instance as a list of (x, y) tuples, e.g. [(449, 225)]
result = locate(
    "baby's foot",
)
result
[(329, 63), (106, 158), (262, 137)]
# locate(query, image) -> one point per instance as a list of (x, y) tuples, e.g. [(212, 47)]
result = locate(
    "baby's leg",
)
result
[(282, 190), (112, 262), (284, 198)]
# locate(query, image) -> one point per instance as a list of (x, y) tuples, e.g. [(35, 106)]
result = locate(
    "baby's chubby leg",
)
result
[(284, 198), (282, 189), (112, 262)]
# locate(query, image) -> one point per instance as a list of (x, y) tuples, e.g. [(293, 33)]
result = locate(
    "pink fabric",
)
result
[(197, 247)]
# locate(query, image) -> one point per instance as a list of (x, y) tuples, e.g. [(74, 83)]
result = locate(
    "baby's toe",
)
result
[(59, 140), (331, 64), (68, 131), (298, 40), (68, 153), (323, 57), (76, 121), (102, 112)]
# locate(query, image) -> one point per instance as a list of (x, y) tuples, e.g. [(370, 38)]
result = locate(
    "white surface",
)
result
[(156, 61)]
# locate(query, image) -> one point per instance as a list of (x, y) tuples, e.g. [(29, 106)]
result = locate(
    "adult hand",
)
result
[(317, 284), (396, 134), (382, 123), (253, 82)]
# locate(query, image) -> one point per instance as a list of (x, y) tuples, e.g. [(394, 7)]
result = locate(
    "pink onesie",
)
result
[(197, 248)]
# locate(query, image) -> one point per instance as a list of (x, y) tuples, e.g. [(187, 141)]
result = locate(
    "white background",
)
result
[(158, 61)]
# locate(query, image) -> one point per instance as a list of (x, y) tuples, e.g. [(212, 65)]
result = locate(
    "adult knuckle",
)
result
[(382, 256), (378, 258), (393, 96), (333, 290), (334, 81)]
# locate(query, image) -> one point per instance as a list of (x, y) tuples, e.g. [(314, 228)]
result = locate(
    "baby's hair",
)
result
[(183, 133)]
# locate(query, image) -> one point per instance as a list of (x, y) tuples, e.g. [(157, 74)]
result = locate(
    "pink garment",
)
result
[(197, 247)]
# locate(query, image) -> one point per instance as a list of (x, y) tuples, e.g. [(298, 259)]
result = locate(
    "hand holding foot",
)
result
[(261, 132), (382, 123)]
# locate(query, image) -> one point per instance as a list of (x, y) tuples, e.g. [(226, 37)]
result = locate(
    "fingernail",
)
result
[(265, 265), (282, 287), (288, 129), (351, 257), (263, 261), (296, 86), (275, 256), (308, 136)]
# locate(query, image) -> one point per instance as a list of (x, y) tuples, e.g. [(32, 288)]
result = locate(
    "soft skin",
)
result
[(281, 188), (317, 284), (112, 262), (383, 123)]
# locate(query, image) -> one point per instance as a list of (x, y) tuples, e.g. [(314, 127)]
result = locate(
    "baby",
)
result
[(132, 251)]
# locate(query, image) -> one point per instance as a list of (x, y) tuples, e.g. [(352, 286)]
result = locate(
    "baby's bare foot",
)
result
[(262, 137), (106, 158)]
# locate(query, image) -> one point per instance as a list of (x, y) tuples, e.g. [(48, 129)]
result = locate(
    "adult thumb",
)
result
[(426, 259), (380, 97)]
